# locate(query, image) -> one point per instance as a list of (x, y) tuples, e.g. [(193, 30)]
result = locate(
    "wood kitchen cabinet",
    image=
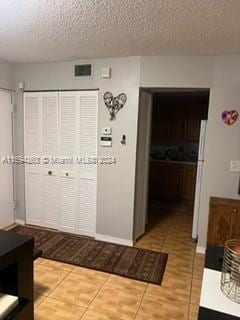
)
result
[(172, 181), (167, 123), (165, 180), (224, 221), (179, 120), (189, 181)]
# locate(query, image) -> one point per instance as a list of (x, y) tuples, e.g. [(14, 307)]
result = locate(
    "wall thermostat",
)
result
[(106, 141), (106, 131)]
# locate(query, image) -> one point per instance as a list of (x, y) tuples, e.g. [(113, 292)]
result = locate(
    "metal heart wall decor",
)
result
[(114, 104), (229, 117)]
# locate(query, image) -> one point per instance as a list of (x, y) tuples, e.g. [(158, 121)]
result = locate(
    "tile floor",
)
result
[(65, 292)]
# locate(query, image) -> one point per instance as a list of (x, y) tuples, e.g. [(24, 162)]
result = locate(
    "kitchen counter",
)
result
[(175, 161)]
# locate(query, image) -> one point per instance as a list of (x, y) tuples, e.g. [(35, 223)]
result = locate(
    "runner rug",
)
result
[(135, 263)]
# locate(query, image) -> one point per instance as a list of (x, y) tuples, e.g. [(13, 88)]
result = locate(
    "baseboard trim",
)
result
[(20, 222), (200, 249), (103, 237)]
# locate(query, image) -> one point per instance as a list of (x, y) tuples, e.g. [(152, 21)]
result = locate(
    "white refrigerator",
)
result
[(198, 190)]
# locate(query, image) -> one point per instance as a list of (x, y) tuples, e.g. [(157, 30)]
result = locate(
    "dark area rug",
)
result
[(138, 264)]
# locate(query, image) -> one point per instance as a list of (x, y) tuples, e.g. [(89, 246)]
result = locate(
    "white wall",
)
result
[(222, 141), (175, 72), (115, 182), (221, 75), (6, 75)]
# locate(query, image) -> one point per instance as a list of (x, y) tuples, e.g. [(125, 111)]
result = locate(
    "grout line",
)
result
[(141, 301), (99, 290), (87, 308), (35, 307), (51, 290), (190, 298), (167, 233)]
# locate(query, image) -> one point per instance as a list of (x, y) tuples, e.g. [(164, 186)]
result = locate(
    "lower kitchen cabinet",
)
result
[(172, 181), (165, 180)]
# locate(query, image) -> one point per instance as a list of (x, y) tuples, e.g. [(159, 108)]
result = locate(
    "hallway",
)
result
[(169, 231)]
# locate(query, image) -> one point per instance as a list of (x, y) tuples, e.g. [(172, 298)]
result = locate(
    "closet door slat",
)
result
[(87, 143), (68, 106), (50, 171)]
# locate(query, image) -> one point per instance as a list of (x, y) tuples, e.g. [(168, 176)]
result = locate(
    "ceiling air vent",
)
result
[(83, 70)]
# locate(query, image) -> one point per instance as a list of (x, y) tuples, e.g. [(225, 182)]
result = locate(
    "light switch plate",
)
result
[(235, 166)]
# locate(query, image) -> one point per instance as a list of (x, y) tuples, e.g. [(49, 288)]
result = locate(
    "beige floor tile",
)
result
[(196, 291), (160, 308), (198, 266), (91, 274), (103, 315), (57, 265), (46, 278), (172, 286), (80, 287), (119, 297), (178, 267), (51, 309), (38, 261)]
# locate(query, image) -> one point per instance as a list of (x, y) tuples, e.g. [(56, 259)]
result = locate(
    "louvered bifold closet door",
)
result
[(68, 106), (32, 146), (50, 168), (87, 147)]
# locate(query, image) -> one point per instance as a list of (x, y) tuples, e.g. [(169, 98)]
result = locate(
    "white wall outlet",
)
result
[(235, 166)]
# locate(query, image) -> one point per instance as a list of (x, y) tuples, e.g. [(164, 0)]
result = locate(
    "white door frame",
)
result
[(142, 165), (11, 219)]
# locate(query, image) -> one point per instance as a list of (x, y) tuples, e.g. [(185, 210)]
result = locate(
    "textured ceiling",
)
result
[(55, 30)]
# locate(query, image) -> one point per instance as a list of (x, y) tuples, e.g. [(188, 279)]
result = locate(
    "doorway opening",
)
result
[(170, 161)]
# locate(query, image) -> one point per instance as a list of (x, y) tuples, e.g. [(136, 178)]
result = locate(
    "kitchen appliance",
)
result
[(198, 190)]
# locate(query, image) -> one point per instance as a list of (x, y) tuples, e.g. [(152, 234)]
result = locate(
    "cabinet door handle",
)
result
[(235, 210), (49, 173)]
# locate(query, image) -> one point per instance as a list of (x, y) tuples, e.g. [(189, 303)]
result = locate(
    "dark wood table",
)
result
[(16, 272)]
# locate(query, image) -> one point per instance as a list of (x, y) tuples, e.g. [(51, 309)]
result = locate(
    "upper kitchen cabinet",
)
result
[(160, 127), (193, 116), (168, 123), (176, 123), (177, 118)]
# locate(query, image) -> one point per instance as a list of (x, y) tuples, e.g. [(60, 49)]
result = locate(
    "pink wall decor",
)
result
[(229, 117)]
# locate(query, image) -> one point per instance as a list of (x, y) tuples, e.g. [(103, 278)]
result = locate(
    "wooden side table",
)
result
[(16, 272)]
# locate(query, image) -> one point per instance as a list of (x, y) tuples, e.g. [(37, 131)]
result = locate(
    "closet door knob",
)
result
[(66, 174), (50, 173)]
